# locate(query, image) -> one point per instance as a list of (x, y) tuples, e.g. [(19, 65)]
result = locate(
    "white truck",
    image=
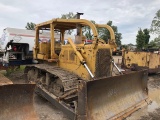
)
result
[(16, 45)]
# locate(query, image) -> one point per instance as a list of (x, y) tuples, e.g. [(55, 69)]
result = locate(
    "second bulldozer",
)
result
[(141, 60), (16, 100), (76, 76)]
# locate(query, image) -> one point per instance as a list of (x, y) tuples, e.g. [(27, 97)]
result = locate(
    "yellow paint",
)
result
[(144, 59)]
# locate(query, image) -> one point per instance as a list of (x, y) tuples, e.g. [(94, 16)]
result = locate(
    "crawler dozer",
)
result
[(16, 100), (141, 60), (76, 76)]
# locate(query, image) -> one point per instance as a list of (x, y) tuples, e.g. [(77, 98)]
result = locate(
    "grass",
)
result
[(12, 70), (3, 72)]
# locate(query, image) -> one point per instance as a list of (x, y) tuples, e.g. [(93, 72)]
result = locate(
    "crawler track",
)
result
[(60, 86), (69, 80)]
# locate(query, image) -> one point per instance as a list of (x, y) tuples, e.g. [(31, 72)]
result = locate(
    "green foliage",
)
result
[(30, 26), (69, 15), (142, 39), (105, 35), (155, 43), (146, 36), (155, 26), (124, 46), (152, 44), (87, 31), (13, 69)]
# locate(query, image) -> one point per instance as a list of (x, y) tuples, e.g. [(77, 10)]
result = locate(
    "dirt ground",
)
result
[(152, 111), (46, 111)]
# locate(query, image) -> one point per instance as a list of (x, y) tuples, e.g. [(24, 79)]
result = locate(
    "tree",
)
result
[(87, 31), (146, 37), (30, 26), (155, 29), (152, 44), (124, 46), (140, 40), (155, 43), (69, 15), (155, 26), (105, 35)]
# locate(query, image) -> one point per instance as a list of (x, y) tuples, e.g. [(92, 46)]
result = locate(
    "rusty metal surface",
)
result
[(112, 97), (4, 80), (135, 67), (147, 60), (103, 63), (16, 102), (155, 70), (82, 101)]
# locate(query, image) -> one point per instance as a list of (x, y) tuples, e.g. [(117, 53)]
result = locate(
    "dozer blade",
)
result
[(16, 102), (113, 97)]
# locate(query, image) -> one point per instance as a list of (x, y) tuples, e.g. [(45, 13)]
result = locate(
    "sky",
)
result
[(128, 15)]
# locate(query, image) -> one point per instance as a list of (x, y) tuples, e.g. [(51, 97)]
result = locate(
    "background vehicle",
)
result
[(117, 51), (16, 100), (16, 46), (141, 60)]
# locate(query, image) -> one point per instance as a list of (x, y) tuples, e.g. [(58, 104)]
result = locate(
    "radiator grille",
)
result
[(103, 63)]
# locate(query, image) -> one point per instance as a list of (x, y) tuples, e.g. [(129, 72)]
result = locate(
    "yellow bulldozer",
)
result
[(141, 60), (77, 76), (16, 100)]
